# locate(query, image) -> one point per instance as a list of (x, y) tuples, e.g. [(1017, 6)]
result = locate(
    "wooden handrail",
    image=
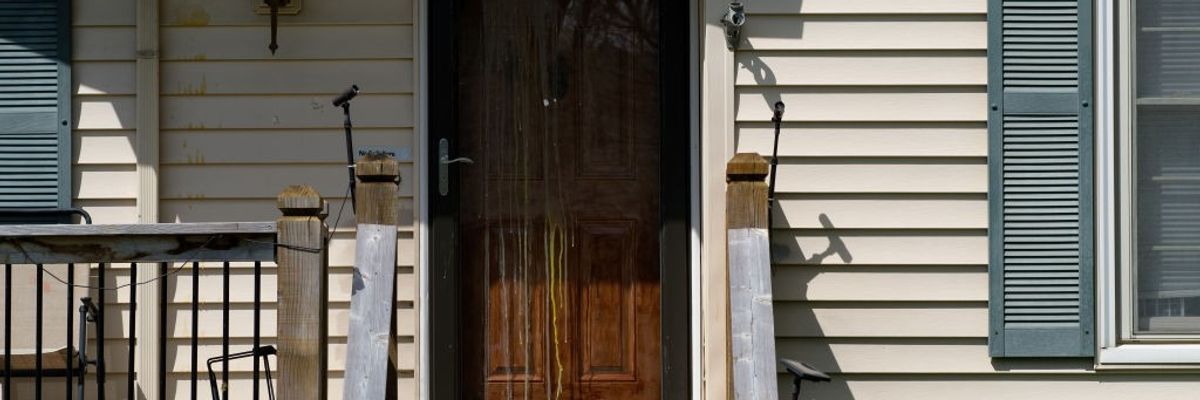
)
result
[(199, 242)]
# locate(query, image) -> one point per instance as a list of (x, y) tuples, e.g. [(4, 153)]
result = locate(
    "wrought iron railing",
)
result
[(176, 250)]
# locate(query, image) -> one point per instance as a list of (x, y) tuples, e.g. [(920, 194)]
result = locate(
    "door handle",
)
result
[(465, 160), (444, 162)]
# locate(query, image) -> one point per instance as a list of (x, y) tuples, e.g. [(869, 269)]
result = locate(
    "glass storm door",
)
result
[(558, 109)]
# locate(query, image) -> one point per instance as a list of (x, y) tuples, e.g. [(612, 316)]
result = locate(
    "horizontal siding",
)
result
[(880, 241), (239, 124), (917, 104), (861, 68), (867, 139), (866, 32), (306, 42), (872, 7), (104, 115), (1058, 386)]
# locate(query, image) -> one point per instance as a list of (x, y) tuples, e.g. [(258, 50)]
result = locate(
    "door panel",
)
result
[(559, 215)]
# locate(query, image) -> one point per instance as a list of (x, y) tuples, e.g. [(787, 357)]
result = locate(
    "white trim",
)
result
[(147, 204), (1112, 353), (422, 134), (422, 171)]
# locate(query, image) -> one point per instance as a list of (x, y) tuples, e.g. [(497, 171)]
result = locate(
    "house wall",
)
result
[(881, 241), (238, 124)]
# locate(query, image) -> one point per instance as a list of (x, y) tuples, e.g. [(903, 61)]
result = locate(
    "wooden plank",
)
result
[(788, 32), (104, 147), (275, 146), (882, 176), (809, 7), (303, 295), (103, 43), (1067, 385), (213, 13), (104, 13), (49, 244), (255, 181), (283, 112), (52, 232), (370, 358), (210, 320), (854, 211), (880, 247), (842, 139), (880, 284), (104, 77), (864, 104), (868, 68), (109, 211), (751, 321), (860, 319), (105, 112), (915, 356), (245, 77), (306, 43)]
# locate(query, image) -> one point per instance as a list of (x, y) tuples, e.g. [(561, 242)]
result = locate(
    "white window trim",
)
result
[(1111, 38)]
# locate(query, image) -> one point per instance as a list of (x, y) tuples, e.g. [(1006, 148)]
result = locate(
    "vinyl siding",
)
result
[(239, 124), (104, 163), (881, 249)]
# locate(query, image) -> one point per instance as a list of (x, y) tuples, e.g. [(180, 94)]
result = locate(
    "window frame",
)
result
[(1118, 347)]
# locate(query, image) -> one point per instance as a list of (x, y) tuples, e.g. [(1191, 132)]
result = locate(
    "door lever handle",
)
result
[(444, 162), (464, 160)]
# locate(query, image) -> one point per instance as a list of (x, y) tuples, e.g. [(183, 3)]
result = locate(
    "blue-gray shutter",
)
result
[(35, 103), (1040, 165)]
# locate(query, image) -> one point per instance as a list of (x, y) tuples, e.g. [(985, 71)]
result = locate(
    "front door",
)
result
[(559, 212)]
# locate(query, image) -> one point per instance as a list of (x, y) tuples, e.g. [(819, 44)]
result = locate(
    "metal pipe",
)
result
[(195, 324), (37, 334), (129, 381)]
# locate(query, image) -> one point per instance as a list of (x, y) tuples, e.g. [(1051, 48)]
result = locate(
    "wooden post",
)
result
[(371, 343), (751, 323), (303, 259)]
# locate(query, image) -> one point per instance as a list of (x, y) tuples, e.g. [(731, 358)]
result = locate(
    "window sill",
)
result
[(1149, 356)]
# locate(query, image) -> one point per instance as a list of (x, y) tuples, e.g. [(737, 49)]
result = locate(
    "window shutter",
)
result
[(35, 104), (1040, 192)]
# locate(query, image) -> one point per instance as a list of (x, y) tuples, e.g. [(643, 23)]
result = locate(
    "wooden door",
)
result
[(559, 215)]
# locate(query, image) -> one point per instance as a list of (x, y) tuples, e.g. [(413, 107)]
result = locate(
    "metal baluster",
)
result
[(129, 384), (101, 366), (225, 334), (195, 323), (70, 329), (257, 312), (163, 301), (8, 331), (37, 334)]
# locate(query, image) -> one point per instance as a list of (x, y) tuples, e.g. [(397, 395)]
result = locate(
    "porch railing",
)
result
[(150, 257)]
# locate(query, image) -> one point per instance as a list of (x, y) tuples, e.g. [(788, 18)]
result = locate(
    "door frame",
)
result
[(440, 372)]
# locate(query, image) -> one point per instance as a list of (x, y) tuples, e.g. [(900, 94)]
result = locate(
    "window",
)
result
[(1148, 175), (35, 105), (1163, 160)]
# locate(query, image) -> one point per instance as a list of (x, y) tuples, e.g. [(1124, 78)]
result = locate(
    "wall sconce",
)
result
[(274, 8), (733, 21)]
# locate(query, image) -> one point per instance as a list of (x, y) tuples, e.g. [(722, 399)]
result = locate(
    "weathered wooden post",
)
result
[(752, 325), (371, 345), (303, 259)]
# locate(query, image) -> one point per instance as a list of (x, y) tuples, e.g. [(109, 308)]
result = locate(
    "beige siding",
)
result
[(104, 179), (881, 257), (239, 124), (881, 264)]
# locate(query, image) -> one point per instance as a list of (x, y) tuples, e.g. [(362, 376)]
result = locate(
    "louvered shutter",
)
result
[(1040, 163), (35, 104)]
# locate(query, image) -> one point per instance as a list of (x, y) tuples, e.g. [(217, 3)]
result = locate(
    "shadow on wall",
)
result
[(797, 329)]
